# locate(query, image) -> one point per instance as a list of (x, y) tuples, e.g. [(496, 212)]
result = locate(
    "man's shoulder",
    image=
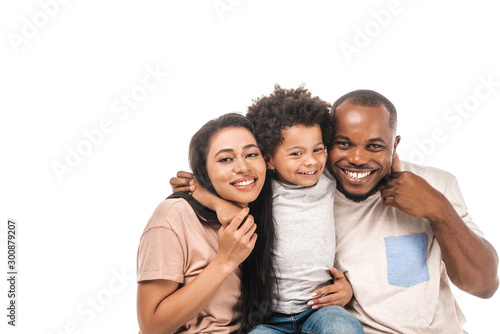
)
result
[(423, 171), (437, 177)]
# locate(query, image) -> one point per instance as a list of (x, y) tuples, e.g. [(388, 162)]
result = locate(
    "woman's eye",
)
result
[(223, 160), (252, 155)]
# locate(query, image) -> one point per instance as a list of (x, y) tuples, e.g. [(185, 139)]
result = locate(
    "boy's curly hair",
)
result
[(283, 109)]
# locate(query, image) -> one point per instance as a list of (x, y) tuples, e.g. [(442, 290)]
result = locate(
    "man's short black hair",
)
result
[(369, 98)]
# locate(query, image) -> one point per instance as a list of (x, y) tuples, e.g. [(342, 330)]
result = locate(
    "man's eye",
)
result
[(375, 146), (342, 144)]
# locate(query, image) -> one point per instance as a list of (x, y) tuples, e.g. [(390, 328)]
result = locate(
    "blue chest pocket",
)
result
[(407, 260)]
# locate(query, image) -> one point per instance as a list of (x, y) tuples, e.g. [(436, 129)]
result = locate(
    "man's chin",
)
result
[(356, 197)]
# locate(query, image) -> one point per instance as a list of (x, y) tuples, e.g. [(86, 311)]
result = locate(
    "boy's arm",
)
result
[(225, 210)]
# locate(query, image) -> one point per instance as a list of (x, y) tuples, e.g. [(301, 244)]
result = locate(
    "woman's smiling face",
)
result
[(235, 165)]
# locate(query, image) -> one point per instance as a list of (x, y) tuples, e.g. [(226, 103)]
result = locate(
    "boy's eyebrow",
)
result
[(298, 146), (231, 150)]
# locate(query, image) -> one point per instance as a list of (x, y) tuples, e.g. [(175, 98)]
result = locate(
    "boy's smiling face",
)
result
[(301, 157)]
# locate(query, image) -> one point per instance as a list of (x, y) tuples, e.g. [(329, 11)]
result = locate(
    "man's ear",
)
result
[(396, 164), (396, 143)]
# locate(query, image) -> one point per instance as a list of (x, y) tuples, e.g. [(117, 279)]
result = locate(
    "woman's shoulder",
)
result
[(171, 213)]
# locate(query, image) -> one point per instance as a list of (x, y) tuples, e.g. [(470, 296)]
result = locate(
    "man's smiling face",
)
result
[(362, 150)]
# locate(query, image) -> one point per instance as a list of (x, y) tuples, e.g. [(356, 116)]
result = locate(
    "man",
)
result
[(401, 236)]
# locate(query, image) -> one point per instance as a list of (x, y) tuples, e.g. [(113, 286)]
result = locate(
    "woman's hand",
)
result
[(339, 293), (236, 240)]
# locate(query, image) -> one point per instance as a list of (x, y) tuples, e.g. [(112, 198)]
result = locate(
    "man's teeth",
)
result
[(356, 176), (243, 183)]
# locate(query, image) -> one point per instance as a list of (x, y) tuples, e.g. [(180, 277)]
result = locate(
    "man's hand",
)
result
[(339, 293), (225, 210), (181, 182), (413, 195)]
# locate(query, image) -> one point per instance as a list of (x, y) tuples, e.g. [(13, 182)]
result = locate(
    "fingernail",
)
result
[(315, 307), (310, 303), (314, 294)]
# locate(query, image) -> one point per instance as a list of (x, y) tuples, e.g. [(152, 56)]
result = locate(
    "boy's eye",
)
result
[(296, 154), (319, 149)]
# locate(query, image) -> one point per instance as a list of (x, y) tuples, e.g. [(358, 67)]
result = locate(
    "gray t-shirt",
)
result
[(394, 262), (305, 247)]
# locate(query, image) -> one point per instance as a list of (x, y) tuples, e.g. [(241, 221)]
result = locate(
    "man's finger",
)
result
[(179, 182), (185, 175), (337, 274)]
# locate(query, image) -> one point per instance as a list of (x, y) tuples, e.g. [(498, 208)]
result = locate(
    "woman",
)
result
[(188, 275)]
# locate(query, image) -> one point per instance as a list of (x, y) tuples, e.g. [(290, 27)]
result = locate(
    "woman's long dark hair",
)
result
[(258, 274)]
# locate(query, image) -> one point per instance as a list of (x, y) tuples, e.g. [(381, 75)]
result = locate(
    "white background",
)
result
[(63, 73)]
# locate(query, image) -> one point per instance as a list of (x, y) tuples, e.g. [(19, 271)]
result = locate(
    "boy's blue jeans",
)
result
[(330, 319)]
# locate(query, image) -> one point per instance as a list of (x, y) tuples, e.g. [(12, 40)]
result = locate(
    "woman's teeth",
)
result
[(356, 176), (243, 183)]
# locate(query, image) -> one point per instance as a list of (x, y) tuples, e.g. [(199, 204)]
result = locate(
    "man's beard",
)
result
[(360, 198)]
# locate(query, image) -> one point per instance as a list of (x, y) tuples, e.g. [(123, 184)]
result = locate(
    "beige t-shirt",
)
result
[(394, 262), (175, 246)]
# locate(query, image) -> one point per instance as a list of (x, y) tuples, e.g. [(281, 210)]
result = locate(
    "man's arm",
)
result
[(471, 261), (225, 210), (339, 293)]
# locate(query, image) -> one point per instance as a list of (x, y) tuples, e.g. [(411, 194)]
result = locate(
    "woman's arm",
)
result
[(162, 307)]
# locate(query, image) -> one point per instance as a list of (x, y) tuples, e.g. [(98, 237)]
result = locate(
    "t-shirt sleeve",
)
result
[(160, 256), (456, 198)]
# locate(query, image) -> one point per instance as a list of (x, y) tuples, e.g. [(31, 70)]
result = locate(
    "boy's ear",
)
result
[(269, 163)]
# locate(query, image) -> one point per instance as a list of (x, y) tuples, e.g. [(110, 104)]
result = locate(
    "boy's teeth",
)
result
[(244, 183), (309, 173), (356, 176)]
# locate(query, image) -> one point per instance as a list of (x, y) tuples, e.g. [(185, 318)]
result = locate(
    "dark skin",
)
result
[(365, 140)]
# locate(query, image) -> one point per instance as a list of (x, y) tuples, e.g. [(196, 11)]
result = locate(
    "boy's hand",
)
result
[(181, 182), (339, 293)]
